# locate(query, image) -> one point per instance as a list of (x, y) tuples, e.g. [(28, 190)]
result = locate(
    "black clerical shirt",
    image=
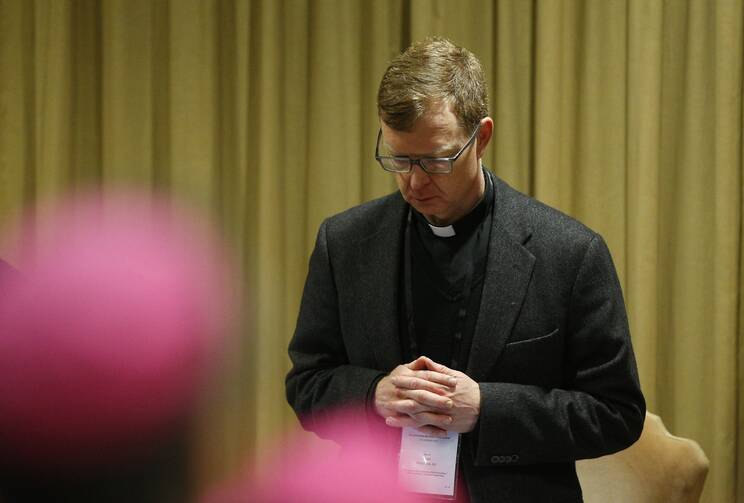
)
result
[(445, 301)]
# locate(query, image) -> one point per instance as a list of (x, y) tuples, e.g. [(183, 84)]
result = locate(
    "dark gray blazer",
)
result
[(551, 349)]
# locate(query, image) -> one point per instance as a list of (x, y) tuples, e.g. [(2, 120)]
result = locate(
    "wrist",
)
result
[(371, 402)]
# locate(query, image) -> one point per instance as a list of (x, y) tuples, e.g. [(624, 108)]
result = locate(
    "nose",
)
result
[(418, 178)]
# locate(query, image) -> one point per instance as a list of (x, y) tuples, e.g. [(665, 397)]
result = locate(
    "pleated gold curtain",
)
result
[(626, 114)]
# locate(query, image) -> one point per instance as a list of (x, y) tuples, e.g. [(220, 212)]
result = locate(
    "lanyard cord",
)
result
[(466, 292)]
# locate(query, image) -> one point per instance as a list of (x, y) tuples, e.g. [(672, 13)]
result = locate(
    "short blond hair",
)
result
[(431, 71)]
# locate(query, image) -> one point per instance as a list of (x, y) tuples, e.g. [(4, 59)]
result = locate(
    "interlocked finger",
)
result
[(413, 382), (436, 377), (420, 420), (408, 406), (428, 399)]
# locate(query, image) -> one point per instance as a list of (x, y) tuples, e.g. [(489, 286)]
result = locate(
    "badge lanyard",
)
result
[(410, 470), (466, 292)]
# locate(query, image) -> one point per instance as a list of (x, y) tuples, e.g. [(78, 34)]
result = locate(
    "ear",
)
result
[(484, 136)]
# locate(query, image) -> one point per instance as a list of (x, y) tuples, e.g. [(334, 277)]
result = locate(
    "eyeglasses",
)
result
[(432, 165)]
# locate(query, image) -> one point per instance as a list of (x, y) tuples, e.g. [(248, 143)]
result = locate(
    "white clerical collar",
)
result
[(443, 232)]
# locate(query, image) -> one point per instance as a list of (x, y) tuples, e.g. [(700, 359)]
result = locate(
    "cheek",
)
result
[(446, 186), (402, 183), (464, 183)]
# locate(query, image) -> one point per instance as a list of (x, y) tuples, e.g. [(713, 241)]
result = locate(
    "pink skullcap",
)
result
[(107, 337)]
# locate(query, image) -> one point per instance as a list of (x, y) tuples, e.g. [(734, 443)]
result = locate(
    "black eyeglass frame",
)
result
[(423, 160)]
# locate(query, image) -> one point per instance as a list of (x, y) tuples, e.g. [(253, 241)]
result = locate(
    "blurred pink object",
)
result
[(365, 471), (107, 338)]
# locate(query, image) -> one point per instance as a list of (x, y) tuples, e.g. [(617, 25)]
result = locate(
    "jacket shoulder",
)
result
[(367, 218), (526, 215)]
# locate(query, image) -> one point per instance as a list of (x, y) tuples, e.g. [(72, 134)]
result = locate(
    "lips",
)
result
[(422, 199)]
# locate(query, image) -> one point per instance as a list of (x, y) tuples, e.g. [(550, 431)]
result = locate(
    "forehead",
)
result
[(436, 133)]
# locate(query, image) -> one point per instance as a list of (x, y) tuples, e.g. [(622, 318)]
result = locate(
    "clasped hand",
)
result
[(428, 396)]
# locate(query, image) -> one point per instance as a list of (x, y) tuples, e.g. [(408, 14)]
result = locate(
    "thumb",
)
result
[(437, 367), (418, 364)]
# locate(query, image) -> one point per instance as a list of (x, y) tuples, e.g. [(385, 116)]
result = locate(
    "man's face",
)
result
[(441, 198)]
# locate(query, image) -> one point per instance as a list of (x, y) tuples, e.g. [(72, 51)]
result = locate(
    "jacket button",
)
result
[(513, 458)]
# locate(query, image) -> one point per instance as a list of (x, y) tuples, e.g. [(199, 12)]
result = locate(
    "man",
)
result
[(509, 314)]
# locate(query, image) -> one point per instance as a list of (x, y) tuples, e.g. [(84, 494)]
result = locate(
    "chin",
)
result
[(431, 212), (425, 207)]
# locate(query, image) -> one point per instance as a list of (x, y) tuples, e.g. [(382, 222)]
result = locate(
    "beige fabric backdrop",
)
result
[(626, 114)]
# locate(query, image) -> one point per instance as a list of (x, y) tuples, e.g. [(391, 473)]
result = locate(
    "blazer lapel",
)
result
[(505, 284)]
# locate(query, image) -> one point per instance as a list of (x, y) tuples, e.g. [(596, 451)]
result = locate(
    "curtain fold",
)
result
[(626, 114)]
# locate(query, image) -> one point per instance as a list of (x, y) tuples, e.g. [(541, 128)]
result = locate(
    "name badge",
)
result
[(428, 464)]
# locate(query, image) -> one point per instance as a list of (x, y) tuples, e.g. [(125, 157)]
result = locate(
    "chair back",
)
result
[(658, 468)]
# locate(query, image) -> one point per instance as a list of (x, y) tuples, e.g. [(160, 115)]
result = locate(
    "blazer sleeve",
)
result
[(598, 410), (321, 379)]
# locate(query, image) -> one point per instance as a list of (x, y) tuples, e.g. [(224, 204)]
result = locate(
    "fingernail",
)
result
[(449, 404)]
